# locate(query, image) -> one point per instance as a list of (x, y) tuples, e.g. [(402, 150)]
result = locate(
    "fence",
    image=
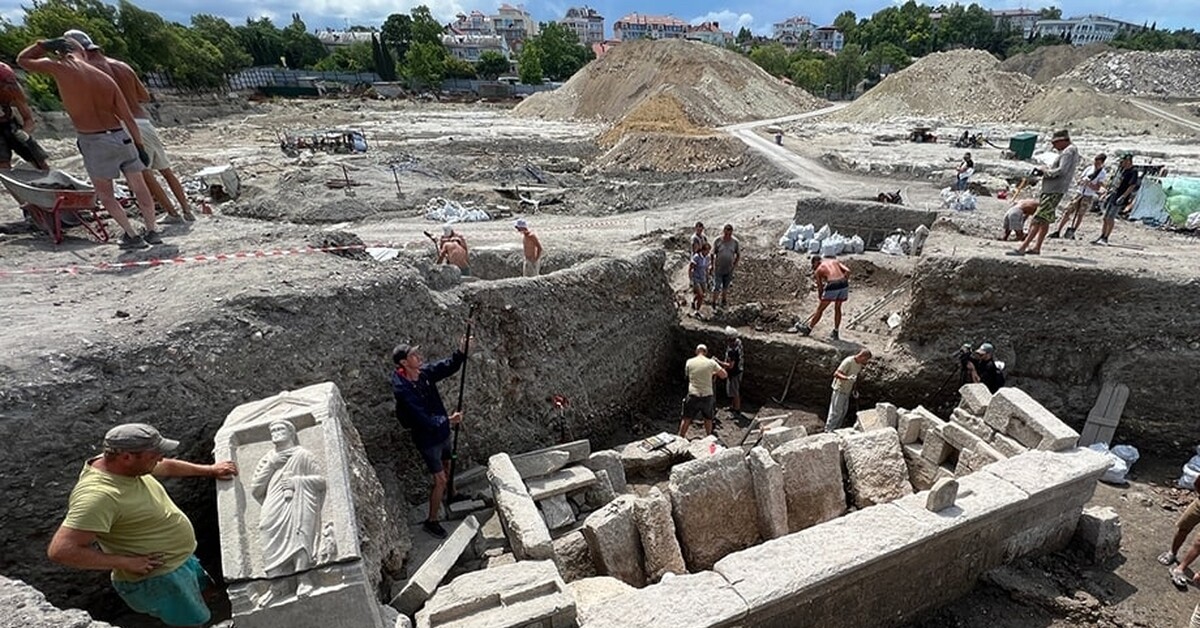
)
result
[(257, 78)]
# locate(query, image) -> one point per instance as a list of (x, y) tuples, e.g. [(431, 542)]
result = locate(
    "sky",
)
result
[(757, 16)]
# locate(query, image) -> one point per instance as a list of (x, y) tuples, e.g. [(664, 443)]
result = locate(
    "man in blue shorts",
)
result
[(419, 408), (143, 537), (832, 279)]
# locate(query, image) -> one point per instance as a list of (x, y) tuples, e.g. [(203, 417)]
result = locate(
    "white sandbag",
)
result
[(1128, 453), (785, 243), (892, 245), (1188, 479), (822, 233), (1116, 471), (856, 245), (814, 247), (807, 232)]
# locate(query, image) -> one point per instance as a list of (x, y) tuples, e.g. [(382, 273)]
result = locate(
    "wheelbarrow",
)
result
[(55, 200)]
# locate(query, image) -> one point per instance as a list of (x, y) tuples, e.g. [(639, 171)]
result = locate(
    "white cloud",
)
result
[(729, 20)]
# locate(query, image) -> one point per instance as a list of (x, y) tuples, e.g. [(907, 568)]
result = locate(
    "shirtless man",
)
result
[(1015, 217), (14, 133), (450, 235), (135, 94), (97, 110), (454, 253), (833, 285), (533, 249)]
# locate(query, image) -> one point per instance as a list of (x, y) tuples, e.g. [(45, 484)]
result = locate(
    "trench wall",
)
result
[(556, 334), (1064, 331), (869, 219)]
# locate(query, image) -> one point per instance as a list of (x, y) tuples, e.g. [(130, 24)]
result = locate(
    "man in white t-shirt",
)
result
[(1087, 198), (845, 378), (699, 401)]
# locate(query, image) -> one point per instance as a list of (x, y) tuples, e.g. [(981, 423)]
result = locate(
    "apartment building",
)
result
[(515, 25), (586, 23), (1088, 29), (475, 23), (829, 39), (709, 33), (469, 47), (1022, 20), (794, 29), (638, 26)]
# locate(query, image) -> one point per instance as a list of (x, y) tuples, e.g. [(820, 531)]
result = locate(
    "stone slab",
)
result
[(577, 451), (557, 512), (890, 414), (714, 507), (614, 542), (462, 508), (594, 593), (1011, 406), (639, 461), (522, 522), (561, 482), (536, 465), (705, 447), (26, 607), (812, 480), (975, 398), (875, 467), (973, 423), (656, 529), (573, 557), (942, 495), (869, 420), (777, 436), (908, 425), (1007, 446), (934, 447), (610, 461), (1038, 471), (1099, 533), (768, 493), (601, 492), (690, 601), (960, 437), (425, 580), (521, 594)]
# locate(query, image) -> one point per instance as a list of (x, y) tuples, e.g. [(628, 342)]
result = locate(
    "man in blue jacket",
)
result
[(419, 408)]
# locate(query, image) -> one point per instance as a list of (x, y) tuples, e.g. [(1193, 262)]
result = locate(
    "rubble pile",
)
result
[(1072, 104), (1047, 63), (663, 152), (1167, 74), (713, 85), (661, 113), (963, 86)]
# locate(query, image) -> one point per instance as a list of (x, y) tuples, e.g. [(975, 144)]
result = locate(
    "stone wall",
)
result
[(555, 334), (22, 606)]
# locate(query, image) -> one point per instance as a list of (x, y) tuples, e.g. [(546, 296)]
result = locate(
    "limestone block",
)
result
[(714, 507), (909, 428), (26, 607), (638, 460), (602, 491), (463, 508), (691, 601), (928, 419), (891, 416), (557, 512), (573, 557), (973, 423), (869, 420), (768, 493), (536, 465), (812, 480), (1099, 533), (429, 574), (705, 447), (1018, 415), (609, 461), (1006, 445), (941, 495), (522, 522), (960, 437), (577, 451), (593, 593), (921, 472), (975, 398), (491, 534), (656, 529), (561, 482), (613, 539), (777, 436), (521, 594), (875, 467), (499, 560), (934, 447)]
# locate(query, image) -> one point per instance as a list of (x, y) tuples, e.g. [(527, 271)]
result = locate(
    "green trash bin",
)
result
[(1022, 145)]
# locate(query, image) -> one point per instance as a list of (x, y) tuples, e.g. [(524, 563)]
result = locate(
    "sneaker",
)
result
[(1070, 235), (1101, 241), (434, 529), (802, 329), (1017, 253), (129, 242), (834, 334), (1054, 236), (152, 237), (172, 219), (1167, 558)]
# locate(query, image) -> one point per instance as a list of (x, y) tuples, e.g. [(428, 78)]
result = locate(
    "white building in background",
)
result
[(1021, 20), (709, 33), (638, 26), (1088, 29), (586, 23), (794, 29), (469, 47), (475, 23), (515, 25), (829, 39), (335, 39)]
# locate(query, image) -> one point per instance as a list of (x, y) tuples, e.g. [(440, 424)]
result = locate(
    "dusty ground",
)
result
[(464, 152)]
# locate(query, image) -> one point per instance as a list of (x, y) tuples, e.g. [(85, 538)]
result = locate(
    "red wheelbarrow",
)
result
[(55, 200)]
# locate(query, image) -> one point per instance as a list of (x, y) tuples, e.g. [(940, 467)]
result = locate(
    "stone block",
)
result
[(573, 557), (613, 540), (526, 593), (610, 461), (462, 508), (975, 398), (890, 414), (522, 522), (921, 472), (691, 601), (639, 460), (1018, 415), (812, 480), (941, 495), (705, 447), (536, 465), (768, 493), (577, 451), (561, 482), (908, 426), (714, 507), (1098, 534), (557, 512), (934, 447), (426, 578), (26, 607), (875, 467), (499, 560), (602, 491), (928, 419), (491, 534), (777, 436), (973, 423), (869, 420), (960, 437), (1007, 446), (594, 593), (656, 529)]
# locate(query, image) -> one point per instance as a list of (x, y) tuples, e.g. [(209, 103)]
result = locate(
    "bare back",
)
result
[(92, 99), (832, 270), (130, 85)]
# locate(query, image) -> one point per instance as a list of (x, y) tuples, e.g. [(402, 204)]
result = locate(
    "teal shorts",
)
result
[(176, 598)]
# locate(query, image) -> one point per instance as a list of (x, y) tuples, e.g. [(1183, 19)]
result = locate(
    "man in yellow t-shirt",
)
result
[(144, 539), (844, 380), (699, 401)]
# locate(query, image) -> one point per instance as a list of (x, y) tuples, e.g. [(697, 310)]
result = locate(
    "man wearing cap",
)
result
[(107, 135), (733, 369), (143, 537), (15, 133), (845, 378), (532, 247), (419, 408), (699, 402), (982, 368), (1118, 197), (452, 249), (135, 94), (1056, 180)]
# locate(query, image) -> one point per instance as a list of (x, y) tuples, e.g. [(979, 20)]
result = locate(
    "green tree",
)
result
[(425, 29), (1050, 13), (387, 66), (808, 74), (561, 53), (13, 38), (880, 58), (456, 68), (301, 48), (149, 39), (50, 18), (356, 57), (743, 36), (529, 66), (423, 65), (193, 60), (262, 40), (491, 65), (844, 71), (224, 38), (847, 22), (397, 33), (772, 57)]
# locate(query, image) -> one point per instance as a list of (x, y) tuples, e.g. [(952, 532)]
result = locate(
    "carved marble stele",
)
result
[(291, 522)]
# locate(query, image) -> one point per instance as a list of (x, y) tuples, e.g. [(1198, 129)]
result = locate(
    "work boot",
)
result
[(1101, 241), (1070, 234), (434, 529), (834, 335), (1054, 236), (172, 219), (152, 237), (130, 243), (801, 329)]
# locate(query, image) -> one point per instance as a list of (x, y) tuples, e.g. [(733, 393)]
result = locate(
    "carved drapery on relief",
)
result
[(289, 484)]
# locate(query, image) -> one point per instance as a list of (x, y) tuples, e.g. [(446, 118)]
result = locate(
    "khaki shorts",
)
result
[(108, 154), (1190, 517), (153, 145)]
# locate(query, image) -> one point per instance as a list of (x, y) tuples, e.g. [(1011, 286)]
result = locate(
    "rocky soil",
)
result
[(1047, 63), (1138, 73)]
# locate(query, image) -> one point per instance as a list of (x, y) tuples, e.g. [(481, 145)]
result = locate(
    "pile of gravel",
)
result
[(1168, 74)]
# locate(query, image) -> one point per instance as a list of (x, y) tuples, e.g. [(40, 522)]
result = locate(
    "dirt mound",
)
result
[(1077, 105), (1168, 74), (664, 152), (660, 113), (964, 86), (1049, 62), (714, 86)]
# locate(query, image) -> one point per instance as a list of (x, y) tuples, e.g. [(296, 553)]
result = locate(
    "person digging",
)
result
[(832, 279)]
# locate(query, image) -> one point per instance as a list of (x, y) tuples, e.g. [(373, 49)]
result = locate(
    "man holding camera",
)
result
[(1056, 180), (980, 367)]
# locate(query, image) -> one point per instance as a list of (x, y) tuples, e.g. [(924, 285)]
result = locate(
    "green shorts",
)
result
[(176, 598), (1047, 204)]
